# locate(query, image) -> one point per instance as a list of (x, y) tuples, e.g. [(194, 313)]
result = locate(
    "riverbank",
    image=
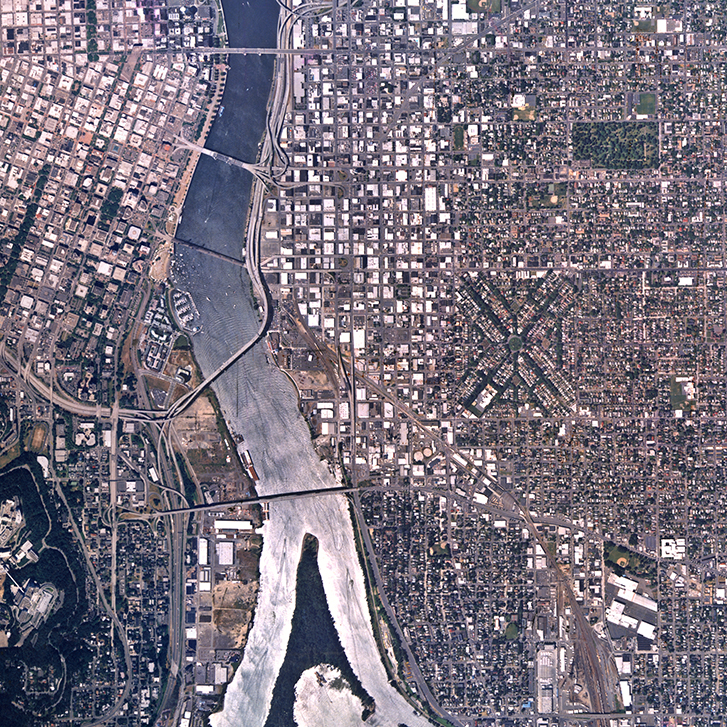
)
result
[(260, 403), (175, 209)]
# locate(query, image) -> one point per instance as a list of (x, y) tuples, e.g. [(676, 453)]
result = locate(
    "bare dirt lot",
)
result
[(36, 441), (233, 605), (181, 358)]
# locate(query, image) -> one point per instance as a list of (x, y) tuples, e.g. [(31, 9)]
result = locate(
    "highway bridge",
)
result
[(260, 171), (207, 251), (271, 51), (258, 500)]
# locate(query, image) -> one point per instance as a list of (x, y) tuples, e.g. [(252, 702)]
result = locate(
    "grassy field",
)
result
[(623, 560), (677, 397), (647, 104), (37, 438), (484, 6), (645, 25), (547, 196), (525, 113)]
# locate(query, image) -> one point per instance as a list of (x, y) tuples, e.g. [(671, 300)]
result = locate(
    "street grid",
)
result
[(517, 356), (419, 280)]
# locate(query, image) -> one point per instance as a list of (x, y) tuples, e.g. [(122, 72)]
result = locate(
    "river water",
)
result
[(260, 403)]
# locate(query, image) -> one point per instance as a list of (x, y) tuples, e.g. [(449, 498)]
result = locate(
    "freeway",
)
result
[(598, 666), (176, 542), (272, 164), (267, 173), (596, 662), (113, 481), (259, 171), (176, 533), (123, 697), (271, 150), (263, 174), (97, 411), (59, 398), (258, 51)]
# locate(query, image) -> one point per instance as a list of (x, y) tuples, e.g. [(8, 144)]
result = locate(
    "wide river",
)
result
[(260, 403)]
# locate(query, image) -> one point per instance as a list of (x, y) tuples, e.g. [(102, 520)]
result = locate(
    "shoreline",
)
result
[(259, 402), (259, 291), (180, 196), (190, 167), (248, 696)]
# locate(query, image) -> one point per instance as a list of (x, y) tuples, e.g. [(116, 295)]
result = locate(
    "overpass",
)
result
[(207, 251), (270, 51), (258, 500), (257, 170)]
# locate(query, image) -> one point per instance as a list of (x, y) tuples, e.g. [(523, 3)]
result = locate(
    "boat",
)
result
[(221, 111)]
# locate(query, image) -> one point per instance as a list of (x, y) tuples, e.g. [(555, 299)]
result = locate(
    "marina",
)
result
[(185, 311)]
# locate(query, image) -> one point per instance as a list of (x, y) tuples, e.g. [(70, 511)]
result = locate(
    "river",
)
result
[(260, 403)]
